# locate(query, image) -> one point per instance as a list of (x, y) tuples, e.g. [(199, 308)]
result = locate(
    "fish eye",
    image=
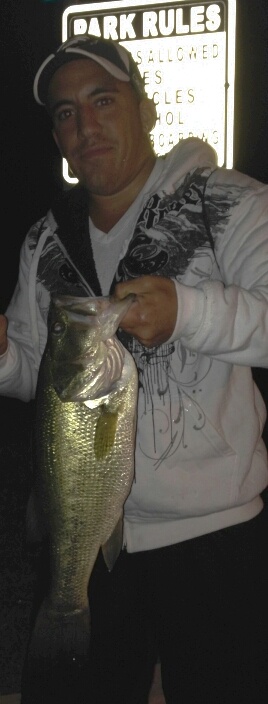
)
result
[(57, 328)]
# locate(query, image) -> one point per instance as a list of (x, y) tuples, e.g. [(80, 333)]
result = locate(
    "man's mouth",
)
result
[(93, 151)]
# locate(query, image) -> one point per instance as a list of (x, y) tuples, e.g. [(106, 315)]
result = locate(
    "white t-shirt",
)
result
[(109, 247)]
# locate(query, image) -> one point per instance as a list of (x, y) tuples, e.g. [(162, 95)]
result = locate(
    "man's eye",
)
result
[(105, 100), (63, 114)]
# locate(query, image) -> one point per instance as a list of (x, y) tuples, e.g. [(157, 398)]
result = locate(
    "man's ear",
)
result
[(148, 114)]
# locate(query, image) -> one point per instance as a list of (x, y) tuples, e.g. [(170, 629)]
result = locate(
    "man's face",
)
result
[(99, 126)]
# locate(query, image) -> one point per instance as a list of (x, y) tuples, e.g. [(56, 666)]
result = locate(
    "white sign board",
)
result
[(185, 52)]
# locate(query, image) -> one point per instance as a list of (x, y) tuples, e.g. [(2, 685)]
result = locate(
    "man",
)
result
[(191, 241)]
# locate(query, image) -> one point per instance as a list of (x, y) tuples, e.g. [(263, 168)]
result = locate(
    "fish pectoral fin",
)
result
[(113, 546), (105, 433)]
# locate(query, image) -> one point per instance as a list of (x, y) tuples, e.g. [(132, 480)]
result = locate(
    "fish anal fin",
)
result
[(113, 546), (105, 433)]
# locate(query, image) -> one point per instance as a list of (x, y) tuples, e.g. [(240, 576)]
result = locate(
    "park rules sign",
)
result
[(185, 52)]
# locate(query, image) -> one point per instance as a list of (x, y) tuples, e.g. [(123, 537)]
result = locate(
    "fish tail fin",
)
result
[(59, 640)]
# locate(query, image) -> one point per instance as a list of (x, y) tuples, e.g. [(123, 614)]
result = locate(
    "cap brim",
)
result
[(56, 61)]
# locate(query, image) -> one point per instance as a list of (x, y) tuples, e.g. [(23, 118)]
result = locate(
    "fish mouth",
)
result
[(83, 305), (94, 306), (104, 312), (99, 359)]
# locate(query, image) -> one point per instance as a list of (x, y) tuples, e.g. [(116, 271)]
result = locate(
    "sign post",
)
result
[(186, 54)]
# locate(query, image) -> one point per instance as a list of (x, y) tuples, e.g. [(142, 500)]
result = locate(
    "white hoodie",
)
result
[(200, 461)]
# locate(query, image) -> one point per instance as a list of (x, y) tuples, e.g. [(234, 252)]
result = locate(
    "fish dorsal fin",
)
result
[(113, 546)]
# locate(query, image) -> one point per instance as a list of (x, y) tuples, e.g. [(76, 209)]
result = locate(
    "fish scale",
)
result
[(85, 437)]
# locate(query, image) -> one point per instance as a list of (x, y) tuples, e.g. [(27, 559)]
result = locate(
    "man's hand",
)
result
[(152, 317), (3, 334)]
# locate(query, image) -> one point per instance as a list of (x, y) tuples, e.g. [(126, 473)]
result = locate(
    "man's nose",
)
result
[(87, 122)]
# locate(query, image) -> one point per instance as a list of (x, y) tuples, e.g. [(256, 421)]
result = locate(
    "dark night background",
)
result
[(30, 165), (31, 169)]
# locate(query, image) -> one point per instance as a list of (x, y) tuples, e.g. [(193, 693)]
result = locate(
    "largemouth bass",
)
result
[(85, 434)]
